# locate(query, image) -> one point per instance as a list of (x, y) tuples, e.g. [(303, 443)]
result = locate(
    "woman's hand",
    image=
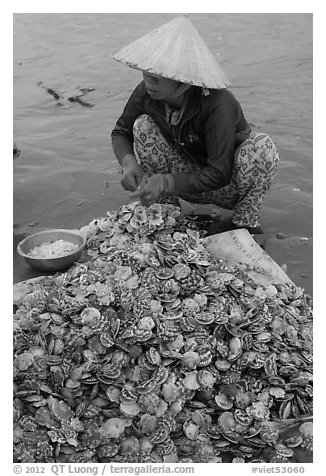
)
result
[(132, 173), (152, 187)]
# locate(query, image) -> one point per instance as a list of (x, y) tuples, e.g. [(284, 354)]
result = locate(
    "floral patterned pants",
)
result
[(254, 168)]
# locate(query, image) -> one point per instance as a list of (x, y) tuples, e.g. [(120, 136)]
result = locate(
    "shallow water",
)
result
[(67, 173)]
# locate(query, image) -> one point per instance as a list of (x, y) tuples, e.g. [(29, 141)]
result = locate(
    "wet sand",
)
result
[(67, 173)]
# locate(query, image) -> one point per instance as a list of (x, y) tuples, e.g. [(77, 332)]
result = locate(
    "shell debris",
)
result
[(150, 349)]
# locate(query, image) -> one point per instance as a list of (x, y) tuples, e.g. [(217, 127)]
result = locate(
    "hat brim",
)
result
[(175, 51)]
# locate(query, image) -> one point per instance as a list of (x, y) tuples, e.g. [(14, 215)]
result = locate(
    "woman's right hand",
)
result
[(132, 173)]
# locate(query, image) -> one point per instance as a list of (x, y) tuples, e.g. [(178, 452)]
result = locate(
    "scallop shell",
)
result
[(222, 364), (59, 409), (106, 339), (306, 430), (164, 273), (166, 297), (171, 306), (188, 323), (282, 450), (190, 381), (277, 392), (147, 386), (167, 448), (191, 430), (242, 399), (89, 379), (222, 444), (166, 245), (205, 379), (287, 370), (205, 356), (172, 315), (111, 370), (148, 424), (108, 450), (130, 409), (129, 445), (277, 381), (242, 417), (203, 420), (223, 402), (160, 434), (226, 421), (270, 365), (260, 347), (204, 318), (269, 434), (149, 403), (142, 335), (263, 337), (113, 427), (170, 392), (128, 394), (233, 330), (293, 441), (222, 348), (258, 411), (153, 356), (23, 361), (160, 375), (181, 271), (170, 286), (190, 359), (43, 417)]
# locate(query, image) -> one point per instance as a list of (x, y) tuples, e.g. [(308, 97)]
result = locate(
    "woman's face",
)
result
[(159, 88)]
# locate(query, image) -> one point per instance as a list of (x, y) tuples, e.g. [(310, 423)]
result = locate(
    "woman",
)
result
[(184, 134)]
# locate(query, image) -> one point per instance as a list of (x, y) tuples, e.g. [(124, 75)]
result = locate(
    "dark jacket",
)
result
[(211, 129)]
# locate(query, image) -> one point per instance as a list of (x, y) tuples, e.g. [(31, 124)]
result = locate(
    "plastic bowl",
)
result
[(51, 264)]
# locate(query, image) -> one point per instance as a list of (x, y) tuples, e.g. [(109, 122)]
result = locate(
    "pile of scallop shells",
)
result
[(152, 350)]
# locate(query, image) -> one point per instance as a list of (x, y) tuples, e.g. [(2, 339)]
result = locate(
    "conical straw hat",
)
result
[(175, 50)]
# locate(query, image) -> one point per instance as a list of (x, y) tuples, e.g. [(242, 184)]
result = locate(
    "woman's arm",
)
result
[(122, 135)]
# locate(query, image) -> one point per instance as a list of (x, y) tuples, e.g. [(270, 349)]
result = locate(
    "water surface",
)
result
[(67, 173)]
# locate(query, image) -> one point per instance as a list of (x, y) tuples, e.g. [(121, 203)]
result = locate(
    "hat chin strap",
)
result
[(181, 89)]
